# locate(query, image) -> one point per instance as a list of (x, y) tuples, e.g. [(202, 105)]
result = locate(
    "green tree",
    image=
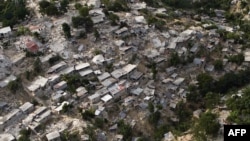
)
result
[(158, 23), (238, 59), (66, 108), (151, 107), (12, 12), (66, 30), (37, 66), (182, 112), (91, 132), (211, 100), (218, 65), (23, 31), (117, 6), (239, 106), (78, 6), (125, 130), (44, 4), (154, 118), (99, 122), (193, 95), (206, 126), (160, 131), (205, 83), (88, 115), (77, 21), (64, 5), (113, 18), (54, 59), (88, 24), (70, 136), (84, 11), (48, 8), (151, 2), (24, 135), (52, 10), (174, 59), (85, 22), (15, 85)]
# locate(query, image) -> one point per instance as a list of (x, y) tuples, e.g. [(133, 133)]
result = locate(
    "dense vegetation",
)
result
[(66, 30), (24, 135), (188, 4), (229, 81), (83, 20), (207, 126), (116, 5), (12, 11), (239, 104), (15, 85), (52, 8), (74, 81)]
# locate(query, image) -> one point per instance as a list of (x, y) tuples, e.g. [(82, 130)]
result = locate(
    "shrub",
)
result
[(88, 115)]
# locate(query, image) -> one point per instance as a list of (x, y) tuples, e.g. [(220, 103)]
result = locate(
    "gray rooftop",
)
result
[(103, 76), (6, 137), (26, 106), (53, 136), (108, 82)]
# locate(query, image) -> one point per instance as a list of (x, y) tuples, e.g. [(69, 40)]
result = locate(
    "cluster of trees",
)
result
[(66, 108), (174, 59), (225, 83), (23, 31), (37, 69), (187, 4), (54, 59), (245, 27), (84, 20), (68, 136), (24, 135), (225, 35), (74, 81), (152, 3), (184, 115), (88, 114), (52, 8), (240, 106), (125, 129), (66, 30), (12, 11), (158, 23), (15, 85), (112, 17), (178, 3), (238, 59), (37, 66), (116, 5), (208, 91), (207, 125), (214, 4), (154, 118), (218, 65)]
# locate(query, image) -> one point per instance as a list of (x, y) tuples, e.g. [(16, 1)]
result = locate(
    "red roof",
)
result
[(32, 46)]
